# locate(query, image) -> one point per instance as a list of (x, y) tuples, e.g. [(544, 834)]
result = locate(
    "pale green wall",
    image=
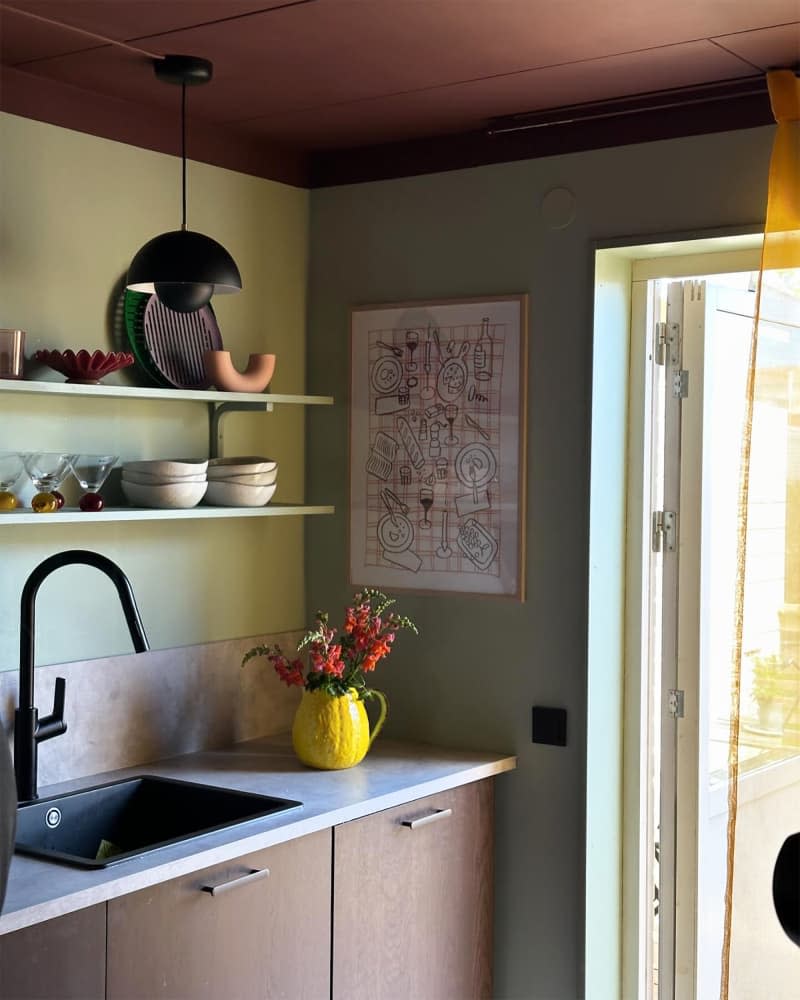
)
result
[(479, 665), (73, 211)]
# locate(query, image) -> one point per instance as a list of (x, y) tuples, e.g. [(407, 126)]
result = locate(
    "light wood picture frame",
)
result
[(437, 446)]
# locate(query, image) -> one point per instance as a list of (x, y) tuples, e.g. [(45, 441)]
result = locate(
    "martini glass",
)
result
[(11, 466), (91, 471), (450, 414), (47, 471), (426, 500), (412, 340)]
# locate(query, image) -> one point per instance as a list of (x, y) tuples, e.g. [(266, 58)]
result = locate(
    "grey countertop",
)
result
[(392, 774)]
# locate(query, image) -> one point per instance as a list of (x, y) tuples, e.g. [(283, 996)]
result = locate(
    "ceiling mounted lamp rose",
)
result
[(183, 268)]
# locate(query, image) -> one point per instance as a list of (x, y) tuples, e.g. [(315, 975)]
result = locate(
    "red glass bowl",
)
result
[(82, 366)]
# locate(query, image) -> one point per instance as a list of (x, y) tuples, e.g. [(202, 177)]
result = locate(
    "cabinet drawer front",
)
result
[(416, 882), (240, 930), (60, 959)]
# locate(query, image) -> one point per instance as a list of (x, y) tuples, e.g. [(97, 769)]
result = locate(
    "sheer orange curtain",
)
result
[(764, 748)]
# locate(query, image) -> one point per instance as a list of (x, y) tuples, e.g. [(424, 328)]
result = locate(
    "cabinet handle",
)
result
[(412, 824), (251, 876)]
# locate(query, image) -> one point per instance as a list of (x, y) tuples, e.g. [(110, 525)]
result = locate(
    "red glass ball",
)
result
[(58, 498), (91, 503)]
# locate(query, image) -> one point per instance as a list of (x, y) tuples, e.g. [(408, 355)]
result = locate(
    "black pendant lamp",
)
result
[(184, 269)]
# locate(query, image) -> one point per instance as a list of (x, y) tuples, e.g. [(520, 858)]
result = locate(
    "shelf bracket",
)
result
[(217, 411)]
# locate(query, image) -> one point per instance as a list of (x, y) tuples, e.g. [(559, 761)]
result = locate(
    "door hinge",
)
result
[(667, 336), (664, 531), (675, 703), (680, 384)]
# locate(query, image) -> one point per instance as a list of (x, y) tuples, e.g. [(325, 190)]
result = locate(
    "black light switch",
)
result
[(549, 726)]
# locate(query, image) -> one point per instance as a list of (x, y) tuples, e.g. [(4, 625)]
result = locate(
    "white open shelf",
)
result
[(220, 403), (104, 391), (110, 514)]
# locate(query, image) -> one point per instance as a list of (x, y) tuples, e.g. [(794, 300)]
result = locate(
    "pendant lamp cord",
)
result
[(183, 151)]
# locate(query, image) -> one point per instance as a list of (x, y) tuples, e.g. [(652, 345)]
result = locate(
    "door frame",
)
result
[(616, 777)]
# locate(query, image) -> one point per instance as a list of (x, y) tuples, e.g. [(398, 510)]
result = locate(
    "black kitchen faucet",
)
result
[(29, 729)]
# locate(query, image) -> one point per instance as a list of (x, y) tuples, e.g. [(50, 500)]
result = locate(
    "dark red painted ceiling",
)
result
[(311, 81)]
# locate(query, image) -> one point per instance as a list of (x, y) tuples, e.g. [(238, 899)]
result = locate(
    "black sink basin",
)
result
[(104, 825)]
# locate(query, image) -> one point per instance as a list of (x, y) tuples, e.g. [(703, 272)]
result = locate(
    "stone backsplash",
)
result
[(124, 711)]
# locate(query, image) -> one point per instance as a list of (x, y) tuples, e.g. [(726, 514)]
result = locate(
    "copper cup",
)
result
[(12, 353)]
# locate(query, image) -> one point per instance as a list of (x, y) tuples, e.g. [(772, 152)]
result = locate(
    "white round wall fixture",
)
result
[(558, 208)]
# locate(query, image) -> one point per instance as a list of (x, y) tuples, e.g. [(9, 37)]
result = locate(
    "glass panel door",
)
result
[(695, 480), (764, 962)]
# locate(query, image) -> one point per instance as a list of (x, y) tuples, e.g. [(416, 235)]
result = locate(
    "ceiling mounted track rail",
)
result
[(618, 107), (79, 31), (119, 43)]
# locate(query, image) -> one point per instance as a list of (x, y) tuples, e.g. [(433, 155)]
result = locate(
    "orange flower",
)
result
[(339, 662)]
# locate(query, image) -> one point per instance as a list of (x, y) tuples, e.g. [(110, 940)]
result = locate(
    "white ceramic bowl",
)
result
[(145, 479), (172, 496), (222, 494), (170, 469), (258, 479), (246, 465)]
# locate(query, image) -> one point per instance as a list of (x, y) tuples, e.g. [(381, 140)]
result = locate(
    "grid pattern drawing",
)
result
[(432, 484)]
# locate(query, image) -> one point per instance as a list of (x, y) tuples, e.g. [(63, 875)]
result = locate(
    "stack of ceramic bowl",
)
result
[(167, 484), (247, 481)]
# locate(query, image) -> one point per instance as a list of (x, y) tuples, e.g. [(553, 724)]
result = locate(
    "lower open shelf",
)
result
[(75, 516)]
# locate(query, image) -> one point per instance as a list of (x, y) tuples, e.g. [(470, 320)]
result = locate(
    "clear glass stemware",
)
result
[(47, 471), (11, 466), (91, 471)]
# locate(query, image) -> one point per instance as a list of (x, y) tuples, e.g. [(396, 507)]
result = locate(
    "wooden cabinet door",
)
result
[(257, 937), (60, 959), (412, 910)]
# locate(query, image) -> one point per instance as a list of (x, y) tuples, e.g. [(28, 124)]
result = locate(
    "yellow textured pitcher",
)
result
[(332, 733)]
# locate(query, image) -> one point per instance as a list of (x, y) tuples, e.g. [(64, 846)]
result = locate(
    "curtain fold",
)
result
[(765, 662)]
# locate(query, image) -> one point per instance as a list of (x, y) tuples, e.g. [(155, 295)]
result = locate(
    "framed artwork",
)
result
[(437, 446)]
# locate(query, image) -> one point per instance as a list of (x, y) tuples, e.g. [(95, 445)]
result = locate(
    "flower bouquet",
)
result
[(331, 729)]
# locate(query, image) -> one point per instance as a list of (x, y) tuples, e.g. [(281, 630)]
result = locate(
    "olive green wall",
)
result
[(73, 211), (480, 664)]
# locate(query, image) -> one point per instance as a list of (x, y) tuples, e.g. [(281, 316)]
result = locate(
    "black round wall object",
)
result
[(786, 887), (8, 812)]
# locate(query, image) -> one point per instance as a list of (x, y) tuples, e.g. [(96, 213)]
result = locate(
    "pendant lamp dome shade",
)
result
[(184, 269)]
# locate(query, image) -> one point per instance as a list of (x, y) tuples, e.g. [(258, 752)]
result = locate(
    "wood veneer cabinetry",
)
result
[(412, 900), (60, 959), (254, 938), (409, 891)]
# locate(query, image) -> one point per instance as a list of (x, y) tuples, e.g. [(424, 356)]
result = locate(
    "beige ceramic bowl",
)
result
[(145, 479), (244, 465), (257, 479), (172, 496), (222, 494), (221, 373), (168, 469)]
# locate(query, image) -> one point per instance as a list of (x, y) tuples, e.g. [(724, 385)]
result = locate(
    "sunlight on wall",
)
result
[(75, 209)]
